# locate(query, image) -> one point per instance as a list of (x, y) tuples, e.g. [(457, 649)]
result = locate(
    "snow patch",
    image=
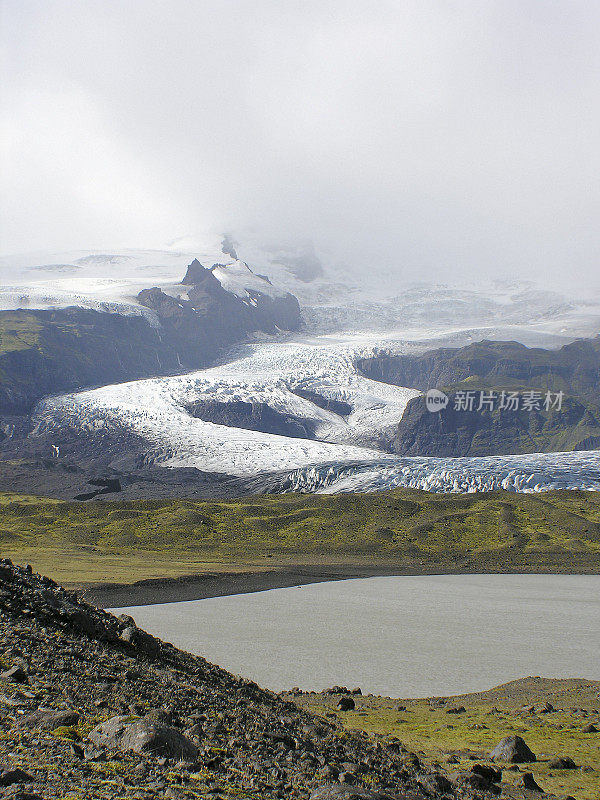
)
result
[(237, 278)]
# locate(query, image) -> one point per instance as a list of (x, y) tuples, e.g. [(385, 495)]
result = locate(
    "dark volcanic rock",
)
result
[(435, 783), (346, 704), (577, 364), (472, 779), (143, 736), (9, 776), (528, 782), (455, 433), (197, 275), (490, 773), (512, 749), (494, 366), (254, 417), (562, 762), (338, 407), (15, 674), (107, 486), (141, 640)]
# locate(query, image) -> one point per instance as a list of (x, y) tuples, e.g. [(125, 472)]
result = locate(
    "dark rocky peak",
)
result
[(197, 274)]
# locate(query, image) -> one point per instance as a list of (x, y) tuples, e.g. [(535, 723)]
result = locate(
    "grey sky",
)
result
[(436, 137)]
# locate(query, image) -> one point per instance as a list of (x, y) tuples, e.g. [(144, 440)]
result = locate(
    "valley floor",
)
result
[(70, 668), (190, 549)]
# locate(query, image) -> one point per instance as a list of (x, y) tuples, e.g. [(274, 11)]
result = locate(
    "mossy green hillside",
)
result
[(124, 541)]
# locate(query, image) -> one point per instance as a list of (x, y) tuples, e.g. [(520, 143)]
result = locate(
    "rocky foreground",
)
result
[(93, 707)]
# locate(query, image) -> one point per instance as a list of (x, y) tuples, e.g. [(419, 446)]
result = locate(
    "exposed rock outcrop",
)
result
[(254, 417), (514, 750)]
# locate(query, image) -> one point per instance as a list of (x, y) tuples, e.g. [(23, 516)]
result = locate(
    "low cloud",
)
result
[(431, 139)]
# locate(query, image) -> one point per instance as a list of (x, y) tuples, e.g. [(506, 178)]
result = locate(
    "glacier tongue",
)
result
[(534, 472), (306, 378), (269, 373), (272, 373)]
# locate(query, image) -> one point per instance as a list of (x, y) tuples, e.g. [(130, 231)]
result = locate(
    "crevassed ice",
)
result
[(534, 472)]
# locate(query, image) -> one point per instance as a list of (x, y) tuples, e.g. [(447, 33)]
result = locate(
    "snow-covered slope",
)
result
[(333, 300), (111, 281)]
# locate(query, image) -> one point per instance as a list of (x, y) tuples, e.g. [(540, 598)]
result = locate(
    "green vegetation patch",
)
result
[(423, 726), (18, 331), (128, 540)]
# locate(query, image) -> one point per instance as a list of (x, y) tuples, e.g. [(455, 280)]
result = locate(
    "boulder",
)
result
[(49, 719), (434, 783), (15, 674), (141, 640), (471, 780), (591, 728), (143, 736), (346, 704), (490, 773), (562, 762), (456, 710), (547, 708), (81, 619), (10, 776), (514, 750), (528, 782)]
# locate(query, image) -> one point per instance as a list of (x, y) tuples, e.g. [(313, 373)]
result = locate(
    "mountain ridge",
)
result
[(51, 351), (488, 366)]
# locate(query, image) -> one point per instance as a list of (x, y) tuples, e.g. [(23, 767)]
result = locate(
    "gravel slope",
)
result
[(69, 667)]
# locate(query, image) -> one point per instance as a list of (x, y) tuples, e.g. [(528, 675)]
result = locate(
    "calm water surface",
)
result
[(400, 636)]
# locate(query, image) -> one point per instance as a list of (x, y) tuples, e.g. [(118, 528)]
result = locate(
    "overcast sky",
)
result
[(439, 137)]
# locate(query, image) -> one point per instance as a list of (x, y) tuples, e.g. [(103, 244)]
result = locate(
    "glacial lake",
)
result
[(397, 636)]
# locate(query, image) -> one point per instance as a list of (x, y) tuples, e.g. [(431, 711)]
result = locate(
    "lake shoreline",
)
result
[(186, 588)]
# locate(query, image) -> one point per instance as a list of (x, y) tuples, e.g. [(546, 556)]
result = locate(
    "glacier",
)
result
[(267, 373), (342, 458), (346, 318)]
